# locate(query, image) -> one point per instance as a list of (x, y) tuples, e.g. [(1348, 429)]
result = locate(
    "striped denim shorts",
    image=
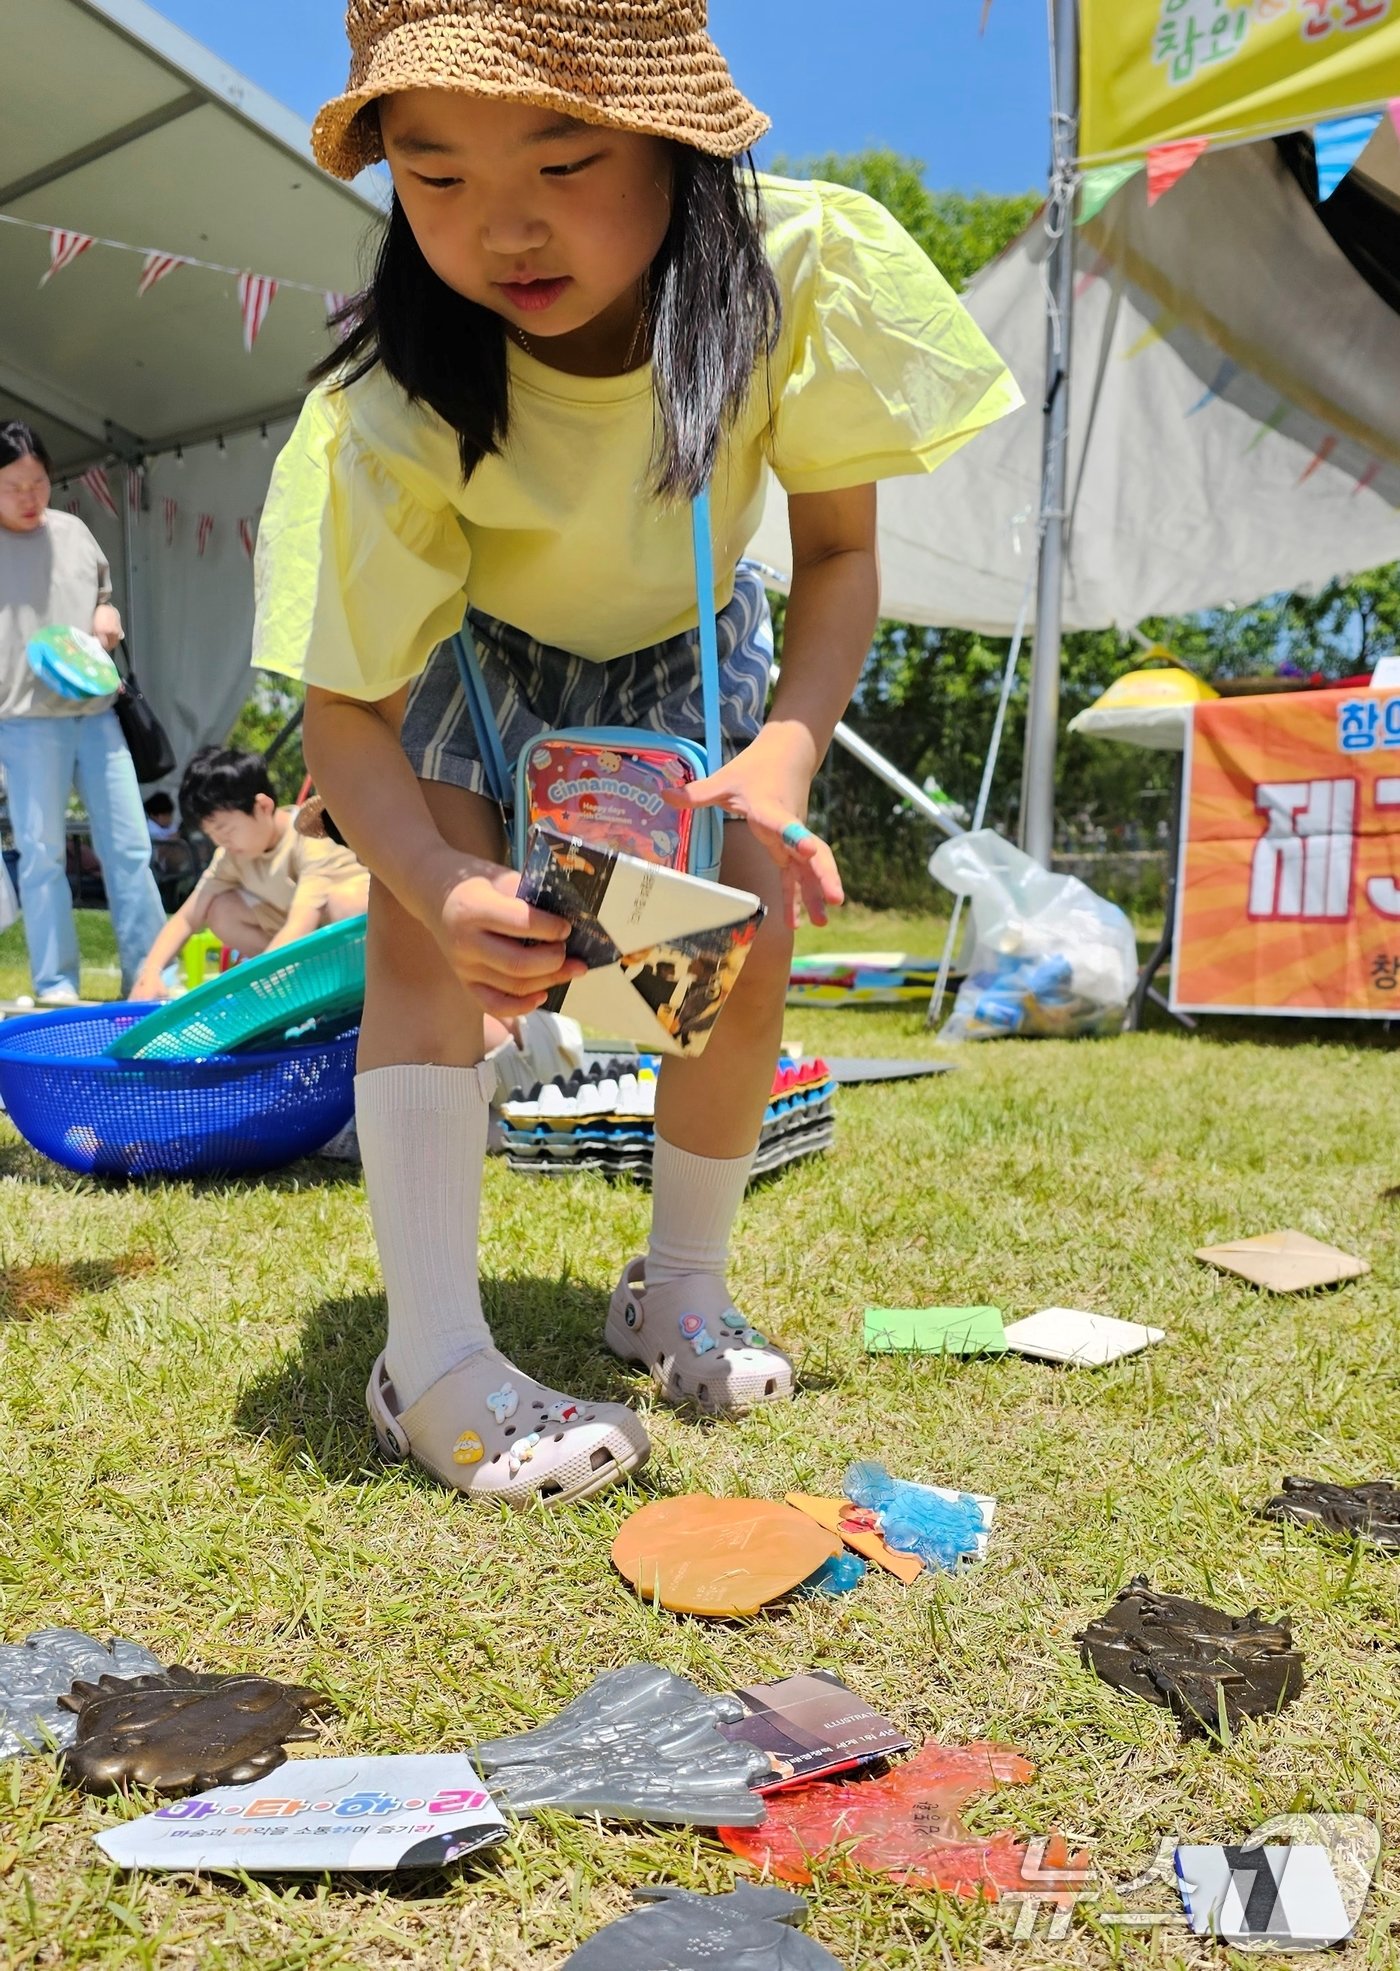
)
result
[(536, 689)]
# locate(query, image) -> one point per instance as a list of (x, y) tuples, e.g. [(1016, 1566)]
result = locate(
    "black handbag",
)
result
[(147, 741)]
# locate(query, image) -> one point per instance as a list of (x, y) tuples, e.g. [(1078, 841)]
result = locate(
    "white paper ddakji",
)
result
[(408, 1811)]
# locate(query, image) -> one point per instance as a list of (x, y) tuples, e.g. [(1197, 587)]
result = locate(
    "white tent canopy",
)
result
[(120, 126), (1235, 414)]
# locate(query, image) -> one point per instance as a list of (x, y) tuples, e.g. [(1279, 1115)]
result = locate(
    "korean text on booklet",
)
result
[(408, 1811), (663, 949)]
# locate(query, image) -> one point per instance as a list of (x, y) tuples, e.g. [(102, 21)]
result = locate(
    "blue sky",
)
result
[(834, 75)]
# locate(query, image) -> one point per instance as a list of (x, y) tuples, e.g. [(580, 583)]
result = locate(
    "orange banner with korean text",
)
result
[(1288, 899), (1156, 71)]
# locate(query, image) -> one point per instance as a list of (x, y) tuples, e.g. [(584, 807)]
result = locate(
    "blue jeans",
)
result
[(42, 758)]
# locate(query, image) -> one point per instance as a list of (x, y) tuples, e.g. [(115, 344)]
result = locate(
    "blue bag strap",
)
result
[(709, 642), (482, 712), (483, 718)]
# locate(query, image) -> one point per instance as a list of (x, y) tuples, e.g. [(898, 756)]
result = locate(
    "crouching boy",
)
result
[(267, 884)]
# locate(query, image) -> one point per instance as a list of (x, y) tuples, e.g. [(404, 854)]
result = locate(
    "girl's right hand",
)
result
[(507, 953)]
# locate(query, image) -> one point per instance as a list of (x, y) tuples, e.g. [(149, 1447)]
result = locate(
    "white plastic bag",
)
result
[(1048, 956)]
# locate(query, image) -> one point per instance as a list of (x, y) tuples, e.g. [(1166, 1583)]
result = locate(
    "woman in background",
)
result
[(53, 572)]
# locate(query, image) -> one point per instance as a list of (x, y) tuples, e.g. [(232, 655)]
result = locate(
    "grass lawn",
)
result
[(186, 1460)]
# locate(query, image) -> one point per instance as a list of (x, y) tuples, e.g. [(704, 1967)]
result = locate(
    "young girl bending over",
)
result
[(586, 309)]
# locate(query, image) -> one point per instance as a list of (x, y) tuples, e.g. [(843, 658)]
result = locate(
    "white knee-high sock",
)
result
[(694, 1202), (422, 1137)]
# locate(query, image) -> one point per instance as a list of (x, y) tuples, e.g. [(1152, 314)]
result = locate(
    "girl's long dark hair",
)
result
[(715, 315)]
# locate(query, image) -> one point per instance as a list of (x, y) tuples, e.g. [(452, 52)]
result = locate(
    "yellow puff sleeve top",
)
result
[(371, 546)]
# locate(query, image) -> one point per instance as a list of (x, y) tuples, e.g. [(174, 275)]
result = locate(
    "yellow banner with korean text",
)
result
[(1289, 892), (1155, 71)]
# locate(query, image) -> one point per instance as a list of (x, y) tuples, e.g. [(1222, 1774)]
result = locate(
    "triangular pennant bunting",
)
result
[(1168, 164), (255, 294), (169, 509), (154, 268), (1098, 186), (1089, 276), (96, 482), (1224, 376), (1338, 145), (248, 535), (202, 533), (1161, 328), (133, 492), (1319, 458), (1367, 479), (1273, 422), (64, 249)]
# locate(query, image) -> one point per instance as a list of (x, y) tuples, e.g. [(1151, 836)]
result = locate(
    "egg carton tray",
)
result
[(815, 1135)]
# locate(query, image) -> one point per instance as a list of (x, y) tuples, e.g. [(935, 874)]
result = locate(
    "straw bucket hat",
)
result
[(642, 65)]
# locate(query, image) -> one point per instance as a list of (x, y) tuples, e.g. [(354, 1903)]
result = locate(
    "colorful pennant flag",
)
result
[(1368, 478), (1168, 164), (64, 249), (1319, 458), (1097, 187), (96, 482), (1161, 328), (1338, 145), (1273, 422), (248, 534), (154, 268), (255, 295), (1089, 276), (133, 492), (72, 506), (202, 532), (169, 509), (1224, 376)]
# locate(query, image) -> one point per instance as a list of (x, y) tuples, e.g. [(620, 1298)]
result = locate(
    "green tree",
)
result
[(273, 703)]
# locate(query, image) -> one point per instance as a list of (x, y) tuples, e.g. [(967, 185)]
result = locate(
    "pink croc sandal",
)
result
[(487, 1429), (695, 1344)]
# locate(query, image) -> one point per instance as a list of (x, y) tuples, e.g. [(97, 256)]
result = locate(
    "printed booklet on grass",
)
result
[(663, 949), (809, 1726)]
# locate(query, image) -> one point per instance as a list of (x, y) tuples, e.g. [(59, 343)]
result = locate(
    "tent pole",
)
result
[(1042, 722)]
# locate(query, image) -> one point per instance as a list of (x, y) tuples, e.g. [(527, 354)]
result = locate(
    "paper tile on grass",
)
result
[(1068, 1334), (934, 1331), (1284, 1262), (408, 1810)]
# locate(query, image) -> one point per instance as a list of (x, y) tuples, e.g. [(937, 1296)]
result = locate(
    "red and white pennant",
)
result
[(202, 532), (154, 268), (169, 508), (248, 534), (64, 249), (133, 491), (96, 482), (255, 294)]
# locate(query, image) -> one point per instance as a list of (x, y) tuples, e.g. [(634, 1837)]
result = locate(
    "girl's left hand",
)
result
[(769, 787)]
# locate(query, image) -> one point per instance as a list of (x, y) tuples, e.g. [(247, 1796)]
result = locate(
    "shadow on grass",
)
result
[(28, 1165), (50, 1286), (313, 1401)]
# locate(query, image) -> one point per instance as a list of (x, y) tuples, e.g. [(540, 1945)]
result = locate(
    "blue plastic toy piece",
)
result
[(837, 1576), (915, 1519)]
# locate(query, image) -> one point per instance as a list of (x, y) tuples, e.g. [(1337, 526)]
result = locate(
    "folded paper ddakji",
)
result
[(663, 949)]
